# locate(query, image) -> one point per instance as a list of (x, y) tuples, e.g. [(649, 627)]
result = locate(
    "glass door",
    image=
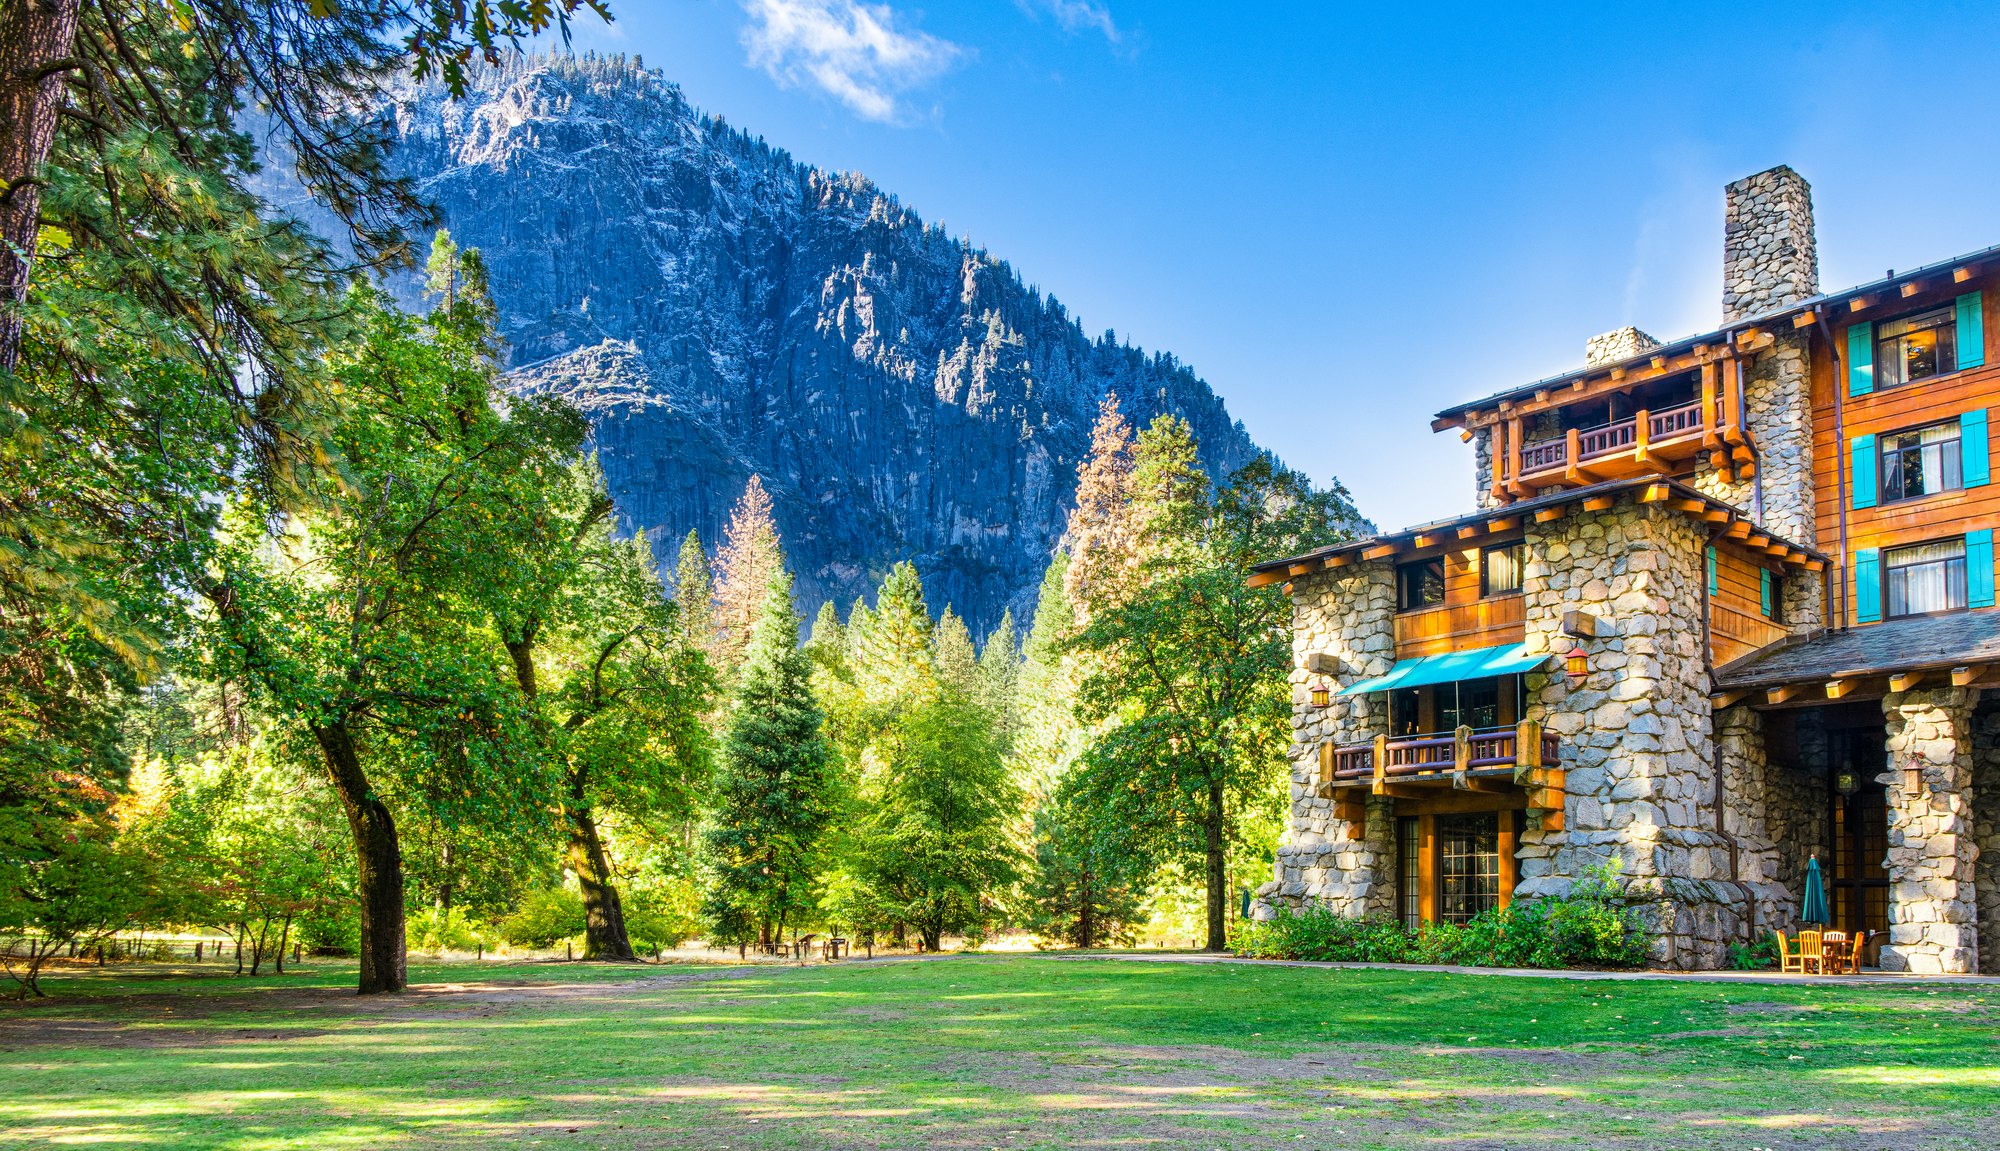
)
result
[(1468, 865)]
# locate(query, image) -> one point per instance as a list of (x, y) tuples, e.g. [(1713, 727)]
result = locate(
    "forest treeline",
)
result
[(314, 632)]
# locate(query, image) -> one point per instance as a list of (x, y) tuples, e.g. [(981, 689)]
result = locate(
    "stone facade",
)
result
[(1619, 344), (1482, 469), (1349, 617), (1933, 906), (1770, 255), (1634, 732)]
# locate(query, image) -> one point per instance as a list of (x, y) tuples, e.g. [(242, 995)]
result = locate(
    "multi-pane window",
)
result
[(1472, 702), (1925, 578), (1916, 347), (1468, 865), (1500, 569), (1923, 462), (1419, 584), (1410, 872)]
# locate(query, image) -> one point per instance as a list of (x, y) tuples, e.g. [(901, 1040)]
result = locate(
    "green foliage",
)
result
[(1590, 927), (1185, 677), (544, 918), (777, 790), (1086, 887), (662, 916), (436, 931)]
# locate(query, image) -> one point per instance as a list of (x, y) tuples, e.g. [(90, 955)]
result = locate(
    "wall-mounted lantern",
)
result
[(1577, 664), (1847, 781), (1322, 696), (1913, 776)]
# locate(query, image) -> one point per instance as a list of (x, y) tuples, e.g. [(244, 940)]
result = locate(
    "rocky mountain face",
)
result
[(722, 310)]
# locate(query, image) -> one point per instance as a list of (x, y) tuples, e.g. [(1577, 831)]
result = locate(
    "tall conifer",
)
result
[(744, 566)]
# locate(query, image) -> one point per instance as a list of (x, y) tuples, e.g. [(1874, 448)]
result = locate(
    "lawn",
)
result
[(1011, 1052)]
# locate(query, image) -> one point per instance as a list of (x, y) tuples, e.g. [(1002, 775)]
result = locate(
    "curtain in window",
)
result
[(1939, 445), (1927, 578)]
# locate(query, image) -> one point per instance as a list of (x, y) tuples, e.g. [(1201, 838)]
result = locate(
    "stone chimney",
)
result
[(1769, 255), (1621, 344)]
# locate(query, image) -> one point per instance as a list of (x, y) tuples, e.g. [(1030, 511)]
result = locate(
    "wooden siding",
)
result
[(1737, 625), (1891, 410), (1459, 626)]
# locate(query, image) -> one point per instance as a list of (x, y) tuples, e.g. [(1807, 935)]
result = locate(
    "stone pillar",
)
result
[(1482, 469), (1777, 412), (1348, 617), (1635, 734), (1933, 910), (1755, 817)]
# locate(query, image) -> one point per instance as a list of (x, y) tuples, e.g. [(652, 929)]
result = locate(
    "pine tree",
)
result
[(1048, 735), (695, 597), (891, 649), (999, 680), (957, 664), (1102, 535), (776, 792), (744, 566)]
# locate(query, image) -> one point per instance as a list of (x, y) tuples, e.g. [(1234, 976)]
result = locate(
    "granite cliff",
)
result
[(721, 310)]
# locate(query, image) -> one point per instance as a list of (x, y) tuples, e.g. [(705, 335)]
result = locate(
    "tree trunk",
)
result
[(37, 43), (378, 859), (1218, 933), (1083, 925), (603, 913), (284, 941)]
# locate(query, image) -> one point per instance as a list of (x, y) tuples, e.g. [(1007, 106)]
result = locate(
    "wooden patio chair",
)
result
[(1790, 959), (1835, 953), (1811, 952)]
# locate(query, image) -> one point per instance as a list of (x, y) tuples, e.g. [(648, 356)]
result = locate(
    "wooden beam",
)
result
[(1687, 505), (1905, 680), (1659, 363), (1716, 515), (1655, 494), (1835, 688), (1490, 784), (1860, 303), (1740, 529), (1299, 569), (1264, 579), (1471, 532), (1287, 589), (1503, 524), (1427, 541), (1961, 275), (1723, 699), (1806, 319), (1600, 503), (1334, 563), (1912, 288), (1963, 676), (1813, 565), (1379, 551), (1779, 695), (1550, 515)]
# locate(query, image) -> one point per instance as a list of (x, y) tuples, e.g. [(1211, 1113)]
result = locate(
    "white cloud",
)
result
[(852, 51), (1078, 15)]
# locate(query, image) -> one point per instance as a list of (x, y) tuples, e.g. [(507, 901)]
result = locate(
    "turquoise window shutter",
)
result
[(1861, 359), (1979, 568), (1764, 587), (1974, 463), (1867, 586), (1971, 332), (1866, 486), (1714, 581)]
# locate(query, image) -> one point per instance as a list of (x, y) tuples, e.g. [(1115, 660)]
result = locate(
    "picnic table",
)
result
[(1822, 952)]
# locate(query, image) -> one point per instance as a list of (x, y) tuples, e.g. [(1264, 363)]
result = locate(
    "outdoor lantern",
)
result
[(1577, 663), (1847, 781), (1321, 695)]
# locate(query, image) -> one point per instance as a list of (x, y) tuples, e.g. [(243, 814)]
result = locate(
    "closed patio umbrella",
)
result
[(1812, 909)]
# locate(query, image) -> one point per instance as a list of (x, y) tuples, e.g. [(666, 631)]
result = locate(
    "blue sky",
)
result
[(1346, 217)]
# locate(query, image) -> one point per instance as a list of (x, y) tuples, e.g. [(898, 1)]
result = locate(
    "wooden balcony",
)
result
[(1456, 627), (1436, 756), (1521, 760), (1664, 442)]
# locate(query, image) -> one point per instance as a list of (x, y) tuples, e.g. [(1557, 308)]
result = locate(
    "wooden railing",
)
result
[(1451, 627), (1606, 439), (1438, 753)]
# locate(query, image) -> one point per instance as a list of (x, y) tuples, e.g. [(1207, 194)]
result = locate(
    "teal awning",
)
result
[(1452, 666)]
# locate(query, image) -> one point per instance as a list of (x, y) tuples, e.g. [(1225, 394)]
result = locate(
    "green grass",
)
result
[(1022, 1052)]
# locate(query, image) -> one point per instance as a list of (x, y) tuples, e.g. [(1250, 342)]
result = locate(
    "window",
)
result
[(1468, 865), (1925, 578), (1774, 599), (1916, 347), (1410, 872), (1419, 585), (1923, 462), (1500, 569), (1405, 711), (1472, 702)]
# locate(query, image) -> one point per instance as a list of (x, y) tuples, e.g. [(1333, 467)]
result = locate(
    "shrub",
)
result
[(661, 917), (1590, 927), (544, 918), (434, 932)]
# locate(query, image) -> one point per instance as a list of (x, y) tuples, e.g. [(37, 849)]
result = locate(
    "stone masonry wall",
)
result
[(1482, 469), (1773, 806), (1618, 344), (1348, 615), (1770, 255), (1932, 898), (1635, 733), (1778, 414)]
